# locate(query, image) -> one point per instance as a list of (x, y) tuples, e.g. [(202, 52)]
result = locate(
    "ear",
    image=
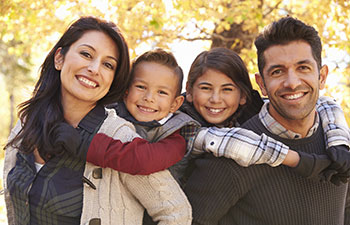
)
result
[(259, 80), (243, 99), (177, 103), (189, 97), (323, 76), (126, 93), (59, 58)]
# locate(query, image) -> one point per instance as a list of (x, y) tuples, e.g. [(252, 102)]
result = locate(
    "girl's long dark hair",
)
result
[(229, 63), (43, 110)]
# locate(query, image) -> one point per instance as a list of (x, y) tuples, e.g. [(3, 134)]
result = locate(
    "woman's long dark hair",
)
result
[(43, 110)]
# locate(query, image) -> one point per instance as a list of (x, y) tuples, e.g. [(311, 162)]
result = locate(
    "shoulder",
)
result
[(116, 127), (183, 118)]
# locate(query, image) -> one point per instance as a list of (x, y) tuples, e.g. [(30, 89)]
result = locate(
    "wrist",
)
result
[(292, 159)]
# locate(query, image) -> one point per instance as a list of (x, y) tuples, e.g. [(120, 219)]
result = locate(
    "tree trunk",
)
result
[(236, 38)]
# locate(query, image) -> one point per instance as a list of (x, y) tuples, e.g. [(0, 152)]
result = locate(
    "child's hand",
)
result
[(311, 165), (66, 138), (340, 157), (339, 171), (331, 175)]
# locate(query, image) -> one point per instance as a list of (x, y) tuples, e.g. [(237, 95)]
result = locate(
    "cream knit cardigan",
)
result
[(121, 198)]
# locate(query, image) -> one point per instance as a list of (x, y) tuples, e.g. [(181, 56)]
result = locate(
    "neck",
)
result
[(74, 113), (300, 126)]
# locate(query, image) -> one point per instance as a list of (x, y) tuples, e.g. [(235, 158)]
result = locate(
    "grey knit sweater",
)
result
[(222, 192)]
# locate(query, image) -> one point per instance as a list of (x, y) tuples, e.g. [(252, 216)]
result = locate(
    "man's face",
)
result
[(292, 82)]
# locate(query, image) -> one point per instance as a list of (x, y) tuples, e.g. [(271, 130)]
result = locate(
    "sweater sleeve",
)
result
[(161, 196), (333, 122), (242, 145), (9, 163), (137, 156)]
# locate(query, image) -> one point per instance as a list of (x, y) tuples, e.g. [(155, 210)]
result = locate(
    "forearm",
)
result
[(137, 156), (292, 159), (241, 145)]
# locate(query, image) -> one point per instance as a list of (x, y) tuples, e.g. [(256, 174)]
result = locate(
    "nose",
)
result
[(94, 66), (148, 96), (292, 80), (215, 97)]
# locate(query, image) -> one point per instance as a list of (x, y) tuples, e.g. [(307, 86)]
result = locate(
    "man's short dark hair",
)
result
[(284, 31)]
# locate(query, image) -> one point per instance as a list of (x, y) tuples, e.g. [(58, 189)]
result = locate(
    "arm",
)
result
[(347, 208), (242, 145), (337, 135), (333, 122), (137, 156), (9, 163), (161, 196)]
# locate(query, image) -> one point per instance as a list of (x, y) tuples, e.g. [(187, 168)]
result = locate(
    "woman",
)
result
[(87, 68)]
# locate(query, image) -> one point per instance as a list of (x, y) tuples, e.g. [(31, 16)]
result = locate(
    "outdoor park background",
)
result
[(28, 30)]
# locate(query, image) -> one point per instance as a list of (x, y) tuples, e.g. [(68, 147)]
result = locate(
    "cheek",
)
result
[(199, 98), (233, 101)]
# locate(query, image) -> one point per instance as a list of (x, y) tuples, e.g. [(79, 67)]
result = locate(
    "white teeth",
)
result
[(146, 109), (215, 110), (86, 81), (292, 97)]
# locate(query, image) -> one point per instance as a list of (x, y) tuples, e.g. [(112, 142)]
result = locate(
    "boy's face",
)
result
[(152, 93)]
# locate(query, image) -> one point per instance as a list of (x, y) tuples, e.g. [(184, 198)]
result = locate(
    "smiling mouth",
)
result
[(294, 96), (215, 111), (146, 109), (87, 82)]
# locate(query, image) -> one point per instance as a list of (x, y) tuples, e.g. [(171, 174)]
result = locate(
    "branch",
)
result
[(272, 8)]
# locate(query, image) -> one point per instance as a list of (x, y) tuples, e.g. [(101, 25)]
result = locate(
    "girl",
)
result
[(219, 94)]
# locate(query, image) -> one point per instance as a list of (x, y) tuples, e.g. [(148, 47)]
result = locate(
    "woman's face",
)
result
[(215, 96), (87, 69)]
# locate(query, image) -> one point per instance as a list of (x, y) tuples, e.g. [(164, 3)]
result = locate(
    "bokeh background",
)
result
[(28, 29)]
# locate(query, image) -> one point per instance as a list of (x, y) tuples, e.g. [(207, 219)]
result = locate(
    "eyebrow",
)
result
[(306, 61), (89, 46), (224, 85), (145, 82)]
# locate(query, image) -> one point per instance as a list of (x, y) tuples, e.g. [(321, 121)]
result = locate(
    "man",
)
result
[(291, 75)]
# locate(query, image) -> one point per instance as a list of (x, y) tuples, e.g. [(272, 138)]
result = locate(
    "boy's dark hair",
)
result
[(284, 31), (161, 57)]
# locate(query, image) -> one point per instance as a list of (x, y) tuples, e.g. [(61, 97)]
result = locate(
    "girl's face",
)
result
[(87, 69), (215, 96)]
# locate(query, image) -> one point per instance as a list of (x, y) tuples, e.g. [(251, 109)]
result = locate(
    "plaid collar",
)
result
[(276, 128)]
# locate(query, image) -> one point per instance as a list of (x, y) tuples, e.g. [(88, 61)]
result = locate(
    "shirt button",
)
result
[(212, 143)]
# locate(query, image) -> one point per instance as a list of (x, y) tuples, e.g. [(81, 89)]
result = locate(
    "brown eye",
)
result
[(86, 54)]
